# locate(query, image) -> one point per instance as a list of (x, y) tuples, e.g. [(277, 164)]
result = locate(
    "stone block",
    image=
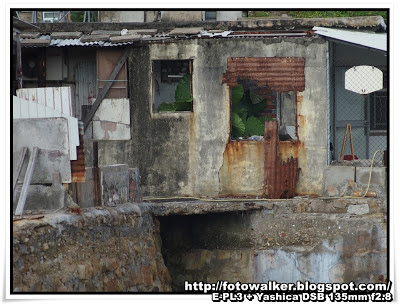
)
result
[(87, 192), (358, 209), (126, 38), (41, 197), (114, 181), (336, 176), (378, 176), (185, 31), (50, 135), (113, 110), (66, 35), (94, 38), (320, 206), (135, 192), (104, 130)]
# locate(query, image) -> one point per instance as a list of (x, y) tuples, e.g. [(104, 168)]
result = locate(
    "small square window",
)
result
[(172, 85), (210, 15)]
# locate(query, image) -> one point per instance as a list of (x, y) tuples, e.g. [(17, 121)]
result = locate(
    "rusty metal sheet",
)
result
[(78, 171), (280, 74), (106, 61), (280, 177)]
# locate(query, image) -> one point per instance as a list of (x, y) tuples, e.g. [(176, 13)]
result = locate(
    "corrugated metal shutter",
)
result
[(86, 86), (280, 74)]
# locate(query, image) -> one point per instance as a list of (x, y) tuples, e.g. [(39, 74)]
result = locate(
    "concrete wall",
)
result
[(114, 181), (122, 16), (160, 141), (50, 135), (319, 241), (229, 15), (183, 153), (100, 250), (181, 16)]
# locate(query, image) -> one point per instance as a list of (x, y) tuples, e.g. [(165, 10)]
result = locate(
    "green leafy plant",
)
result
[(254, 126), (183, 97), (238, 127), (246, 108), (182, 91), (166, 107)]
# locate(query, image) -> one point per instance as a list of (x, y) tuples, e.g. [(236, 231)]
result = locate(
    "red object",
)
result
[(283, 234), (76, 210), (350, 157)]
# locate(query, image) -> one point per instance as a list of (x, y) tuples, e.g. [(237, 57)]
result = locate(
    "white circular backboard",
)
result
[(363, 79)]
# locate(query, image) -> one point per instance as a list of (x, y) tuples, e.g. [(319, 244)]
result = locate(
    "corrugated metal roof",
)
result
[(367, 39), (278, 73), (77, 43), (73, 42)]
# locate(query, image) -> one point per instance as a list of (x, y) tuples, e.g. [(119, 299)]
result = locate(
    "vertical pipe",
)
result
[(328, 104), (290, 185), (19, 60)]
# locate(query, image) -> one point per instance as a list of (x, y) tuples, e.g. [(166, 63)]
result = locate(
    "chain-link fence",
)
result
[(358, 105)]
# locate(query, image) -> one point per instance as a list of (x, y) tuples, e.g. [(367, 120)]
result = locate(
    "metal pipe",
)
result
[(64, 16), (19, 60)]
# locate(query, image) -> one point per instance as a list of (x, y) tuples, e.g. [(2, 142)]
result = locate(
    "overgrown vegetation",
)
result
[(183, 97), (256, 14), (79, 16), (323, 14), (246, 107), (331, 14)]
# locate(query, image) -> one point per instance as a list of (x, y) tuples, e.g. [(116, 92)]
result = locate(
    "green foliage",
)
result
[(246, 107), (183, 106), (237, 94), (322, 14), (166, 107), (183, 97), (238, 126), (254, 126), (77, 16), (332, 14), (182, 91), (256, 14), (255, 98)]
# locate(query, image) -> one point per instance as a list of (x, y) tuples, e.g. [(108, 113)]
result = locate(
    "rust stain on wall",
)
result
[(242, 170), (289, 149), (78, 172), (108, 127), (299, 99)]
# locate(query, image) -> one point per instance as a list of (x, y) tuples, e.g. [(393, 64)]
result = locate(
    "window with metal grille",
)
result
[(378, 110), (172, 85), (210, 15)]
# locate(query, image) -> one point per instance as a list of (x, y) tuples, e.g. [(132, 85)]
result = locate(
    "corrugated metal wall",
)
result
[(280, 74), (86, 86)]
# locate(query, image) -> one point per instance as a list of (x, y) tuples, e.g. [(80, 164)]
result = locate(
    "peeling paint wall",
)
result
[(243, 168), (185, 153)]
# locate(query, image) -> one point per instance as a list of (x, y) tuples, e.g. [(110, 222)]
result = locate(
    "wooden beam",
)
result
[(17, 170), (27, 182), (106, 87)]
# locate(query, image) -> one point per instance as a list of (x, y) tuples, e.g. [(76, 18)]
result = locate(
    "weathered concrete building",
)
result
[(252, 108), (196, 152)]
